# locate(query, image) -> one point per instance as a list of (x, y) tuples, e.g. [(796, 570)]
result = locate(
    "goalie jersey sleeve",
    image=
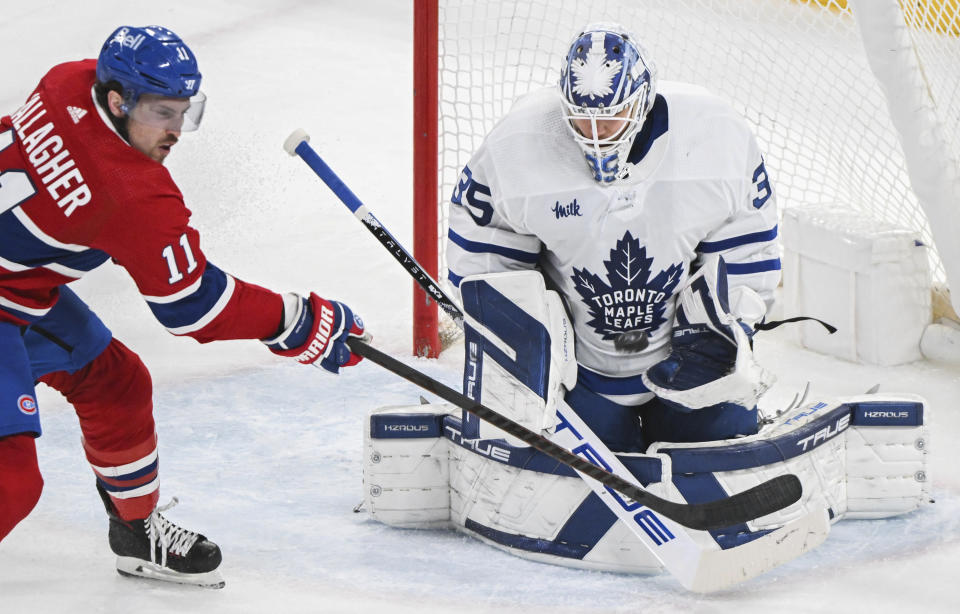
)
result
[(481, 237), (749, 240)]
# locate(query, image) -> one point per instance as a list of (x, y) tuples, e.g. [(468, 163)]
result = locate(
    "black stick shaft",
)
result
[(755, 502)]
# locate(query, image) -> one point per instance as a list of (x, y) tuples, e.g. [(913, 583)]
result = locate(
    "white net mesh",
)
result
[(796, 70)]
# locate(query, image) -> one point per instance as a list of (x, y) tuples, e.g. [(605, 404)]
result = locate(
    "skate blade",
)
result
[(137, 568)]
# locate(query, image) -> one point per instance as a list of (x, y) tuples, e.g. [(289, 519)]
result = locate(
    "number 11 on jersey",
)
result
[(169, 255)]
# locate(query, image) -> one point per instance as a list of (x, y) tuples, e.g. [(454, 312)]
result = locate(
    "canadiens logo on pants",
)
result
[(27, 404)]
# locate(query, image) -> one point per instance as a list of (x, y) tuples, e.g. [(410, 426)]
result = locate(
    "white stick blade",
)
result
[(720, 569)]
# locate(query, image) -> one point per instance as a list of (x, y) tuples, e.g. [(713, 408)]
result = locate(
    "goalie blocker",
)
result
[(427, 466)]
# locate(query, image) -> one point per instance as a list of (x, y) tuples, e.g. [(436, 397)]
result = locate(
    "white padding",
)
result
[(868, 278), (500, 390), (856, 470), (537, 506), (888, 472), (406, 478)]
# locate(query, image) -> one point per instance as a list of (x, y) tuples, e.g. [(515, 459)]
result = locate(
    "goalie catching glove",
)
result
[(315, 331), (711, 360)]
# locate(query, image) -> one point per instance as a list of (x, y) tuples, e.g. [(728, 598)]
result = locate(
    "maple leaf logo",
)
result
[(629, 300), (593, 77)]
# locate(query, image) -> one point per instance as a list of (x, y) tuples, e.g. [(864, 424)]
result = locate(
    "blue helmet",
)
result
[(148, 60), (606, 77)]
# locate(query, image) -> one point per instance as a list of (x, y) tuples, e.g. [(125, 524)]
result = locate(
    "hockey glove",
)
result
[(315, 332), (711, 358), (697, 357)]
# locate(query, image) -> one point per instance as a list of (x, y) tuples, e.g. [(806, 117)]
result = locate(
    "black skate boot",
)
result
[(155, 548)]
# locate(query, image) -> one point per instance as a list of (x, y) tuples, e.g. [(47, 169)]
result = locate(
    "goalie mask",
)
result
[(608, 85)]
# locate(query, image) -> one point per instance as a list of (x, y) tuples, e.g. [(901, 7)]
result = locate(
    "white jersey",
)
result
[(618, 253)]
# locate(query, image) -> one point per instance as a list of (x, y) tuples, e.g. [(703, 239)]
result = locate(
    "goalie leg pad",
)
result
[(406, 468), (888, 446), (511, 497), (861, 457), (528, 505)]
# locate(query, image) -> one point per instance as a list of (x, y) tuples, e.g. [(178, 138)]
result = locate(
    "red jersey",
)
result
[(74, 194)]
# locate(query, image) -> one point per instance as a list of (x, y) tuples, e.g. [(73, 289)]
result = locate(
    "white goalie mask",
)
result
[(608, 86)]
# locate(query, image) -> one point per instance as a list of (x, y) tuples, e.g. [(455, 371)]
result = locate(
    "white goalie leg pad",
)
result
[(860, 457), (499, 307), (519, 361), (888, 448), (405, 466), (531, 513), (705, 300)]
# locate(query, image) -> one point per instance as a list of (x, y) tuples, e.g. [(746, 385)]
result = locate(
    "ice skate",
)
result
[(155, 548)]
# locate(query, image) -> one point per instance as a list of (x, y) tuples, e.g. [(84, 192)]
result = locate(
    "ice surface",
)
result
[(265, 455)]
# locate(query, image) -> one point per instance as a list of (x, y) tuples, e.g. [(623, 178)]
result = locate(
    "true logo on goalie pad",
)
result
[(827, 432), (472, 372), (480, 446)]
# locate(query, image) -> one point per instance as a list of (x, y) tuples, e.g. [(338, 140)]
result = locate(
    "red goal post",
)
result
[(853, 102), (426, 201)]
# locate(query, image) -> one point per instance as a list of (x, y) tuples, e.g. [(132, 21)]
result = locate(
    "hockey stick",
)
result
[(297, 144), (763, 499)]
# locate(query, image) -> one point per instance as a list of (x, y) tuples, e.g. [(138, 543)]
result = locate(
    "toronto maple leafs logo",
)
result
[(594, 75), (629, 300)]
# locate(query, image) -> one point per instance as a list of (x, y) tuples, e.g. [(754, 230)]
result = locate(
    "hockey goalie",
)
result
[(611, 306)]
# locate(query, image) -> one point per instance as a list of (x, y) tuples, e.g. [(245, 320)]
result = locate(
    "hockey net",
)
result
[(796, 70)]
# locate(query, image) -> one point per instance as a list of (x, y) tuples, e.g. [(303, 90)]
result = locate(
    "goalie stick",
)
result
[(697, 562)]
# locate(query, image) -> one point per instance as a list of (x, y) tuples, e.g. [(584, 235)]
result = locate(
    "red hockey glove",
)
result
[(316, 332)]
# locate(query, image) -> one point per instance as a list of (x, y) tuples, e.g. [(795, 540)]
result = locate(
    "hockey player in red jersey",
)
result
[(82, 181)]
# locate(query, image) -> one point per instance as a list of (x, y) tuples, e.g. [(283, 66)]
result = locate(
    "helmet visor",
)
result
[(174, 114)]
